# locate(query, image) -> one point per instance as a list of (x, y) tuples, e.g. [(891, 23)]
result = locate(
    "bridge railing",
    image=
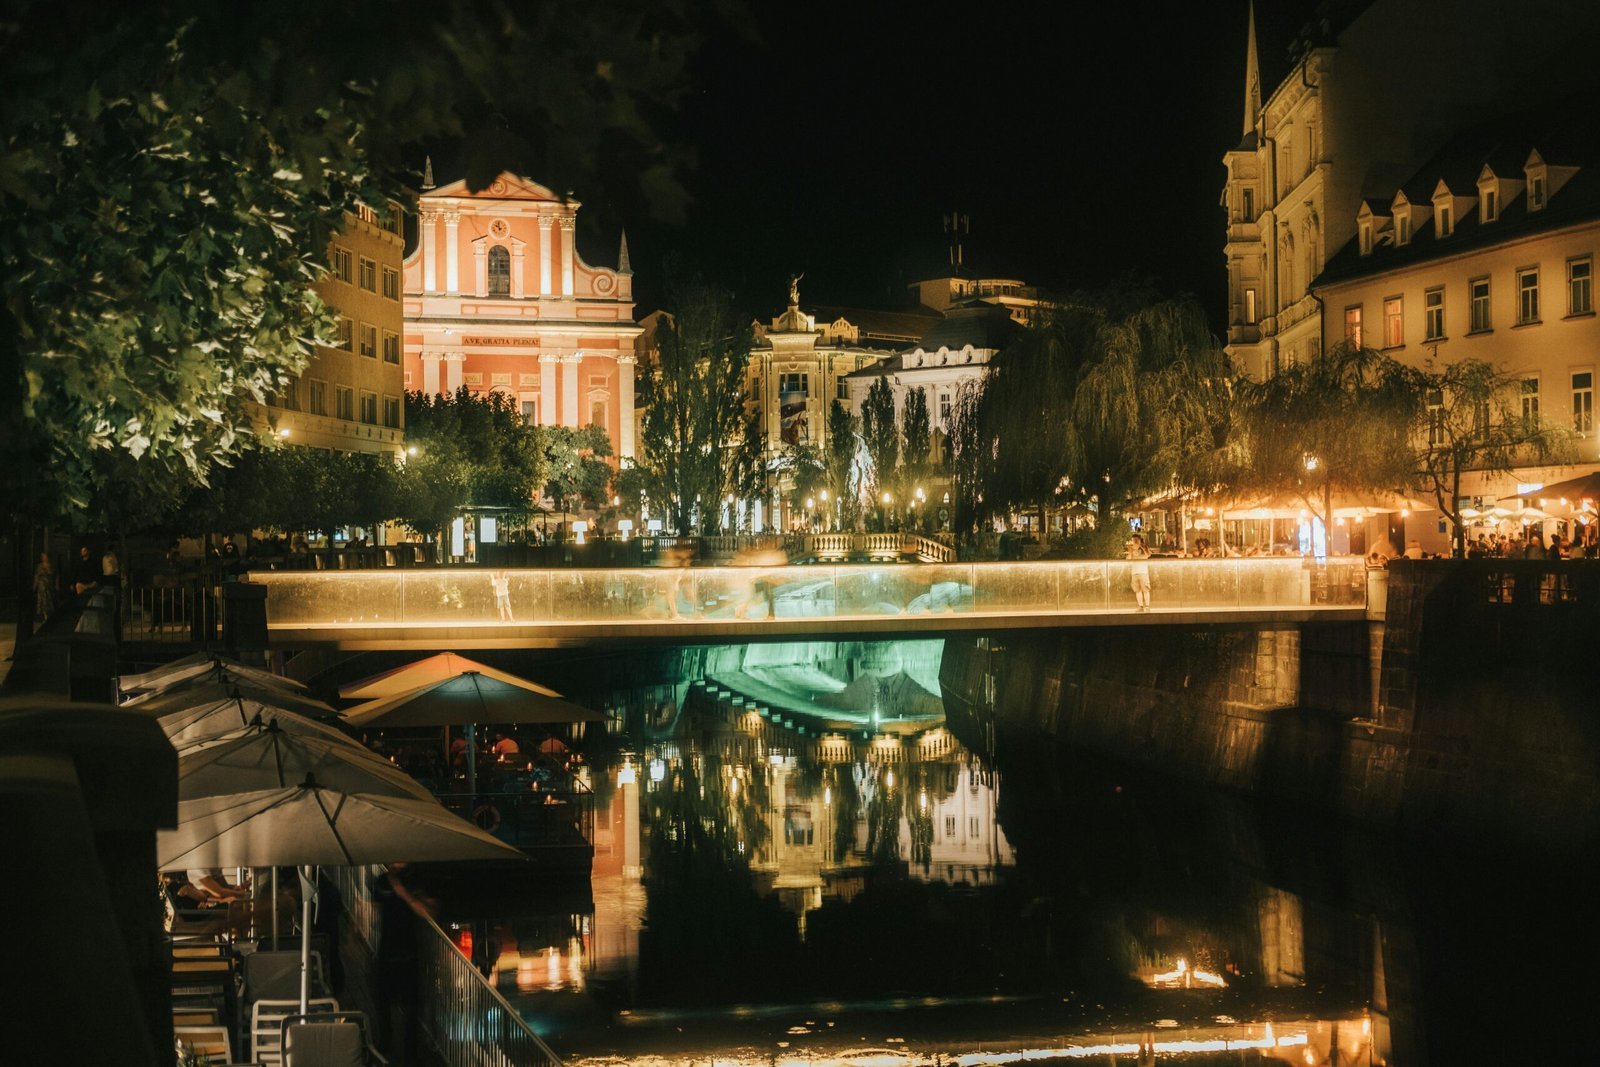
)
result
[(467, 597)]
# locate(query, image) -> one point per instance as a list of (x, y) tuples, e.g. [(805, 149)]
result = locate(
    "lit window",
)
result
[(344, 399), (1580, 286), (391, 412), (319, 397), (1528, 295), (343, 264), (391, 283), (1394, 325), (391, 347), (1583, 401), (1435, 401), (944, 409), (1352, 325), (499, 271), (1478, 290), (1530, 399), (843, 390), (793, 383), (369, 408), (1249, 307), (369, 340), (1433, 314), (369, 275)]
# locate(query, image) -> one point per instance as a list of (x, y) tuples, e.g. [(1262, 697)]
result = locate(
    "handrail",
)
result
[(467, 1019)]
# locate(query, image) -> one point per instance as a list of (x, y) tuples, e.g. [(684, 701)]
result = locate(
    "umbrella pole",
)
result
[(472, 757), (274, 905), (307, 890)]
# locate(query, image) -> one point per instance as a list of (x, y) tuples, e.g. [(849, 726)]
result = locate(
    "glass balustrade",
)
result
[(704, 595)]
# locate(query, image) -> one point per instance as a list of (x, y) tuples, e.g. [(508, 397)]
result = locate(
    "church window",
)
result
[(499, 271)]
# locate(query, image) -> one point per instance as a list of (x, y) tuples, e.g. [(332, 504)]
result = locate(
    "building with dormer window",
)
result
[(1367, 93), (1509, 279), (497, 299)]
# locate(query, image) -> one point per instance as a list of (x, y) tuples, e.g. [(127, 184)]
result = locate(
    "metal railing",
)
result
[(464, 1017), (690, 595), (527, 820), (176, 613)]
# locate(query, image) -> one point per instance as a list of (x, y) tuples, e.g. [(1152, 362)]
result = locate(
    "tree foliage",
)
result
[(577, 474), (882, 435), (1103, 396), (844, 442), (1468, 417), (173, 172), (1337, 423), (917, 434), (695, 419)]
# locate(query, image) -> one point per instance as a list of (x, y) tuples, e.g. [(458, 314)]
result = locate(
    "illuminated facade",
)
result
[(1488, 252), (1359, 108), (497, 299), (351, 397)]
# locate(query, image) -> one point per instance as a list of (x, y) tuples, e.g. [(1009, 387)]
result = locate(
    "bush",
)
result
[(1091, 542)]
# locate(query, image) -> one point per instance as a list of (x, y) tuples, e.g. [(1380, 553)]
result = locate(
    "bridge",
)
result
[(462, 608)]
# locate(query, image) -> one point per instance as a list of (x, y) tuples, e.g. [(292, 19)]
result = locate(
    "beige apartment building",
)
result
[(351, 397), (1367, 93), (1488, 252)]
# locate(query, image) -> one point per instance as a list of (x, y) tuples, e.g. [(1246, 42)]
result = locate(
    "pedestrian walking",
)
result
[(46, 584), (1137, 552)]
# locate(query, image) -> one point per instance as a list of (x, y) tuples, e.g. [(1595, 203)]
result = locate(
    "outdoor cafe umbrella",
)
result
[(218, 719), (309, 825), (433, 669), (1569, 494), (203, 667), (467, 700), (274, 754), (184, 697)]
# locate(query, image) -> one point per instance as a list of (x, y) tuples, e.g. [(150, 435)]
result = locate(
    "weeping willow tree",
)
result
[(1101, 398)]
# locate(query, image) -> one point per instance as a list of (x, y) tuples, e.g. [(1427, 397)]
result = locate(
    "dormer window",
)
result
[(1366, 238), (1538, 173), (1443, 220), (1535, 192), (1489, 199), (1402, 229)]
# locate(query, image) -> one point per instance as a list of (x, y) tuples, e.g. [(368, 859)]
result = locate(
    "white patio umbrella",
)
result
[(272, 753), (466, 700), (311, 825), (184, 697), (422, 672), (204, 666), (219, 719)]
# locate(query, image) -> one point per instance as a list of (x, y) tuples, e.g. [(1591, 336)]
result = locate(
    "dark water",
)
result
[(875, 893)]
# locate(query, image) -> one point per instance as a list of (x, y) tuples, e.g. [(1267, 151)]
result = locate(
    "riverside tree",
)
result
[(843, 443), (1468, 416), (689, 450), (1339, 422), (882, 437), (173, 173)]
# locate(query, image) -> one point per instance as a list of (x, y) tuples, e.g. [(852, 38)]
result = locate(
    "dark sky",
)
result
[(1084, 141)]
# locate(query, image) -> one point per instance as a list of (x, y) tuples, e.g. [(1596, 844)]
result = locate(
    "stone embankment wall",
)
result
[(1487, 717)]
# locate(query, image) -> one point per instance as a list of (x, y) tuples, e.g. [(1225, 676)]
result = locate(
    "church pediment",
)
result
[(507, 186)]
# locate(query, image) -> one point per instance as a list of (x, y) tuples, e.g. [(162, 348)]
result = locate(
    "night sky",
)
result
[(1083, 140)]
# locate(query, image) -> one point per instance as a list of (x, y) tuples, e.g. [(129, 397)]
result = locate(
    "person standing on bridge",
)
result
[(1141, 571), (502, 595)]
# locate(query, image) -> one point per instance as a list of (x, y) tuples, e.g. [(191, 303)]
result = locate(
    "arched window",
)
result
[(499, 271)]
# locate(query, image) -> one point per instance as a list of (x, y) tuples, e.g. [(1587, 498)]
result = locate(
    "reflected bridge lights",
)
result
[(1183, 976)]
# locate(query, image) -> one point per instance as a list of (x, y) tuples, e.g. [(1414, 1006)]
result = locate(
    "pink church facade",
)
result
[(497, 299)]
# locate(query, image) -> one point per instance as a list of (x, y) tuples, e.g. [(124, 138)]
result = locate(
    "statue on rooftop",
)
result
[(794, 289)]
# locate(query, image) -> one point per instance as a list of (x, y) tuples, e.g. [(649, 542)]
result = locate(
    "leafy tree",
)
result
[(689, 443), (579, 478), (882, 438), (970, 461), (1468, 418), (1337, 423), (173, 173), (917, 434), (806, 467), (843, 444), (1109, 396)]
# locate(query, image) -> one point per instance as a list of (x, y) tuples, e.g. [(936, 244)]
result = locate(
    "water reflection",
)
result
[(781, 878)]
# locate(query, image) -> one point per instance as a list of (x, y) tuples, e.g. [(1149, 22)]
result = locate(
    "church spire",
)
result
[(427, 172), (623, 266), (1252, 78)]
